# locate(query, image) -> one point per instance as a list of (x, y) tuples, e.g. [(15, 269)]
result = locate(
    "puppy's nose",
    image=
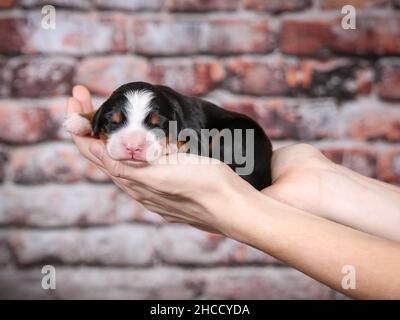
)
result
[(133, 149), (135, 144)]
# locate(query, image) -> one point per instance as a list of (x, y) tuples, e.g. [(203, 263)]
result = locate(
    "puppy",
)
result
[(142, 122)]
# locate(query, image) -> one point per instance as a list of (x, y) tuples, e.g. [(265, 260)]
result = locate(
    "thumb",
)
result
[(74, 106), (82, 94)]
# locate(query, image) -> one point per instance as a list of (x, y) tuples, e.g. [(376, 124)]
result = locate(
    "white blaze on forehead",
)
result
[(138, 107)]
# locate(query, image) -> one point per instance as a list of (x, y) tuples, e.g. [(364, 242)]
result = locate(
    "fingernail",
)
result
[(96, 149)]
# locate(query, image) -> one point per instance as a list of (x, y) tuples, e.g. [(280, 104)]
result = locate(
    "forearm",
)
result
[(305, 179), (313, 245), (360, 202)]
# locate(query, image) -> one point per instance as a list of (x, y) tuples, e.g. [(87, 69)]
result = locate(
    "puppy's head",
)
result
[(134, 121)]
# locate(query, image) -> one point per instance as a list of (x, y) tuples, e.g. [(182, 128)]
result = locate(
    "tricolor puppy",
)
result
[(137, 122)]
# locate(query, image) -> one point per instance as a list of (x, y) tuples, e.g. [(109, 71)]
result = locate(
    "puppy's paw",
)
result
[(77, 125)]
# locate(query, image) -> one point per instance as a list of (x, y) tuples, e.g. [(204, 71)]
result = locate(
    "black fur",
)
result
[(193, 113)]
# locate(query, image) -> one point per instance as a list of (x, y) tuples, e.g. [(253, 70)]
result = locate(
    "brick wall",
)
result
[(288, 64)]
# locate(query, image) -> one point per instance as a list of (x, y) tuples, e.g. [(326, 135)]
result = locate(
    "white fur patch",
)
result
[(138, 108), (77, 125)]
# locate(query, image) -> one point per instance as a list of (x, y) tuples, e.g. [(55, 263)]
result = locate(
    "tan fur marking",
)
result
[(88, 115), (103, 135), (117, 117), (180, 144), (154, 119)]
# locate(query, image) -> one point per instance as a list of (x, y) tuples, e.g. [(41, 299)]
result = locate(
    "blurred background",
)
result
[(289, 64)]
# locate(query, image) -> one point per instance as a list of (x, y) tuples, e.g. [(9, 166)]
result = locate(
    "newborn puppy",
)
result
[(141, 122)]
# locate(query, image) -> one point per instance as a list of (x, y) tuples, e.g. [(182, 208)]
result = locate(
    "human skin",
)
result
[(307, 180), (317, 216)]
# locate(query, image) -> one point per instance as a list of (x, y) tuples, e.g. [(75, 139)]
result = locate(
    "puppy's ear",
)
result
[(98, 121)]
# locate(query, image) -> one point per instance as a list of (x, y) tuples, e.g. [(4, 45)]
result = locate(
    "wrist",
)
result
[(232, 208)]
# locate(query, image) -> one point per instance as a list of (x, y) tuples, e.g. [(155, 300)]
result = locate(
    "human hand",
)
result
[(180, 187), (305, 179), (302, 178), (297, 171)]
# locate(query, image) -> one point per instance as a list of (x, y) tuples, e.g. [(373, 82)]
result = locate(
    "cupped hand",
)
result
[(180, 187), (299, 175)]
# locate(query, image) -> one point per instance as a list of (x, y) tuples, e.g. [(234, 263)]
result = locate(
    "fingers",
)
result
[(83, 95), (205, 228), (84, 145), (74, 106)]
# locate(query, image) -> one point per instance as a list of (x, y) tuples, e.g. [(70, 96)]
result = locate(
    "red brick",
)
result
[(287, 119), (389, 165), (73, 205), (202, 248), (134, 5), (75, 34), (258, 77), (56, 112), (376, 34), (277, 5), (120, 245), (5, 255), (362, 159), (35, 120), (150, 36), (103, 75), (99, 283), (202, 6), (373, 122), (389, 79), (186, 35), (127, 207), (33, 77), (5, 78), (191, 76), (50, 163), (339, 4), (7, 4), (94, 174), (278, 117), (341, 78), (318, 119), (163, 283), (340, 296), (56, 3), (3, 160), (21, 124), (248, 107), (305, 36), (259, 283), (12, 33)]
